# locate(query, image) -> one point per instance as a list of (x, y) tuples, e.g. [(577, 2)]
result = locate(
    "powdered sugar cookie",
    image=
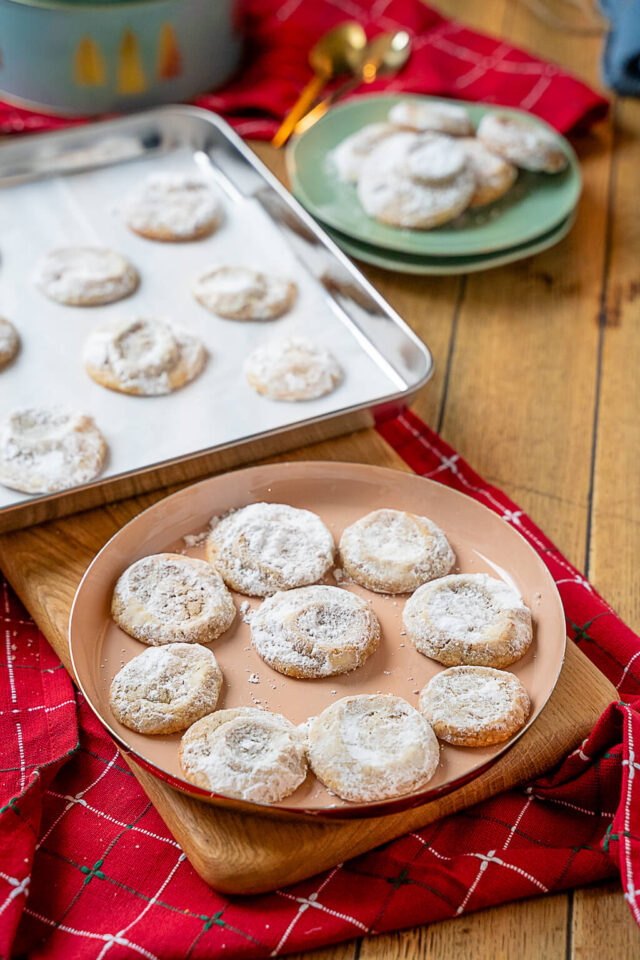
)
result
[(266, 547), (371, 747), (391, 193), (475, 706), (167, 597), (314, 631), (347, 157), (244, 753), (469, 618), (391, 551), (9, 342), (434, 159), (44, 449), (493, 174), (240, 293), (142, 356), (85, 276), (173, 206), (434, 115), (292, 368), (523, 142), (166, 689)]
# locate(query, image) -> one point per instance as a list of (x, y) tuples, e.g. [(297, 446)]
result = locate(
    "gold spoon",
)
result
[(338, 51), (386, 53)]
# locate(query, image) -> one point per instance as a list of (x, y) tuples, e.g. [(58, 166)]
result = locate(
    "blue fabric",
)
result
[(621, 54)]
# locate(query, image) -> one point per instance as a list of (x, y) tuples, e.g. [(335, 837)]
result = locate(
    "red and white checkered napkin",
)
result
[(88, 869), (447, 59)]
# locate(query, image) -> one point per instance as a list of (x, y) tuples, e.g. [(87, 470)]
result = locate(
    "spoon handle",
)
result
[(300, 107)]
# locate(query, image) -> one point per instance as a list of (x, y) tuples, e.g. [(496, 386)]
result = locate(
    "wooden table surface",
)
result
[(535, 385), (531, 387)]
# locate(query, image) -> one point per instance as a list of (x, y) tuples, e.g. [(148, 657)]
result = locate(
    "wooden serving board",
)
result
[(237, 853)]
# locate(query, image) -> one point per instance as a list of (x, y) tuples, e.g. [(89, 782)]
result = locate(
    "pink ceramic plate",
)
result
[(339, 493)]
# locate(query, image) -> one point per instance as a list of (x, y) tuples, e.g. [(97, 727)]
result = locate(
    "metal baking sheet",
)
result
[(67, 189)]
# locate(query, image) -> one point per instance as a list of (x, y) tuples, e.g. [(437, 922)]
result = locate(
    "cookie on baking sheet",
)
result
[(245, 753), (167, 597), (475, 706), (240, 293), (469, 618), (522, 141), (143, 356), (292, 368), (173, 207), (9, 341), (390, 551), (85, 276), (493, 174), (346, 159), (396, 188), (436, 115), (166, 689), (371, 747), (266, 547), (45, 449), (315, 631)]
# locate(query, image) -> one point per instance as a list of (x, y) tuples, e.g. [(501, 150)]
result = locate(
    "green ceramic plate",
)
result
[(535, 204), (438, 266)]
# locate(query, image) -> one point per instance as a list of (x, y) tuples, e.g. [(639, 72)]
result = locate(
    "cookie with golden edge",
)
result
[(166, 689), (475, 706), (266, 547), (371, 747), (246, 753), (169, 598), (143, 356), (522, 141), (242, 293), (85, 276), (317, 631), (469, 618), (173, 207), (391, 551)]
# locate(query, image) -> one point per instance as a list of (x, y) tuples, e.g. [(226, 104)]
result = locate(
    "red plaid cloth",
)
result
[(88, 869), (447, 59)]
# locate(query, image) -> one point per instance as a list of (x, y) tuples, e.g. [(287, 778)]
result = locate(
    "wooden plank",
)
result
[(529, 930), (602, 926)]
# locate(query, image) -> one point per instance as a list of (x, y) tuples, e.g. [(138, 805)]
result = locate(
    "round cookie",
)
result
[(390, 193), (434, 115), (469, 618), (169, 598), (314, 631), (85, 276), (493, 174), (390, 551), (434, 159), (371, 747), (475, 706), (266, 547), (173, 207), (166, 689), (346, 159), (245, 753), (45, 449), (143, 357), (9, 342), (523, 142), (292, 368), (239, 293)]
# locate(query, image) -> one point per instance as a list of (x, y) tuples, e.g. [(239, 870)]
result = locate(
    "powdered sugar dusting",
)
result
[(44, 449), (266, 547)]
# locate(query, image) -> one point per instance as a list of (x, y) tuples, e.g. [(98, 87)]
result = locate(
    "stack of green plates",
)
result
[(536, 213)]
